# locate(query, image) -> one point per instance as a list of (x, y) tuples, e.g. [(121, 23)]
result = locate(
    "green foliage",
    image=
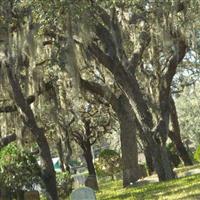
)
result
[(197, 154), (64, 184), (18, 169), (109, 163), (188, 110)]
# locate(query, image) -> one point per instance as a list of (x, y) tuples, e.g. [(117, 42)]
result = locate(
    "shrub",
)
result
[(18, 169), (64, 184), (109, 163), (197, 154)]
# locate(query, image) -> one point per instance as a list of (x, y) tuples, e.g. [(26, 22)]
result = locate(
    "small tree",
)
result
[(18, 170), (109, 163)]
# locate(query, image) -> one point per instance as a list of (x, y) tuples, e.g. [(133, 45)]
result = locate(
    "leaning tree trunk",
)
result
[(48, 173), (128, 142), (175, 135), (147, 149), (91, 180)]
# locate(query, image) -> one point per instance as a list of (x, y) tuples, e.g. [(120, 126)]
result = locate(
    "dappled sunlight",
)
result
[(179, 188)]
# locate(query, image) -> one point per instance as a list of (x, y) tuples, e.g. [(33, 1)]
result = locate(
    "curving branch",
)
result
[(7, 140), (179, 54)]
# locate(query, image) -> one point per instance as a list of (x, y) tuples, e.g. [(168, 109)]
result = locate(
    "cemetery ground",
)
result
[(184, 188)]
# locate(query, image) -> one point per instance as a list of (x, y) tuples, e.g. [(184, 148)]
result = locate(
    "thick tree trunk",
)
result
[(128, 142), (175, 135), (48, 173), (92, 178)]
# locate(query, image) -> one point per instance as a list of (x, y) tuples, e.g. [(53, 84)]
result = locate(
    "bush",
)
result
[(109, 163), (197, 154), (64, 184), (18, 169)]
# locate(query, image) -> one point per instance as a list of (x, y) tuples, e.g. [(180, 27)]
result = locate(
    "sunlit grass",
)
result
[(182, 188)]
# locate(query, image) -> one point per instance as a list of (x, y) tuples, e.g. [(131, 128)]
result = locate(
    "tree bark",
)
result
[(149, 160), (92, 178), (175, 135), (161, 162), (48, 173), (128, 142), (67, 150)]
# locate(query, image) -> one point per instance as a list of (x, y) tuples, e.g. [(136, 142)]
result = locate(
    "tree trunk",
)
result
[(149, 160), (48, 173), (128, 142), (60, 154), (92, 178), (147, 149), (67, 149), (181, 149), (175, 135), (161, 162)]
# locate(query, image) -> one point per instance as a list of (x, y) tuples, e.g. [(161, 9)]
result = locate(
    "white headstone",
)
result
[(84, 193)]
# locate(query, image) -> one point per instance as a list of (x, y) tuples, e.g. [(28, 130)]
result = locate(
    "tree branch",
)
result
[(178, 56), (30, 99), (7, 140)]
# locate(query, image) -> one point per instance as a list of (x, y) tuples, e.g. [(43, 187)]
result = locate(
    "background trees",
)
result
[(76, 71)]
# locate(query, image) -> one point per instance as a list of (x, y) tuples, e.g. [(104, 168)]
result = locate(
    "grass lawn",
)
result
[(185, 188)]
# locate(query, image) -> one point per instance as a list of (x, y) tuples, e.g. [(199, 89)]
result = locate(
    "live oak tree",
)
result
[(93, 121), (110, 52), (138, 45), (14, 51)]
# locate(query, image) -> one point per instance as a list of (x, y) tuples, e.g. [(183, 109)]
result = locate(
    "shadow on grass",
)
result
[(169, 190), (191, 197)]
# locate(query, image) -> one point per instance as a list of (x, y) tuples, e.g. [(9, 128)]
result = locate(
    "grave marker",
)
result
[(31, 195), (84, 193)]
